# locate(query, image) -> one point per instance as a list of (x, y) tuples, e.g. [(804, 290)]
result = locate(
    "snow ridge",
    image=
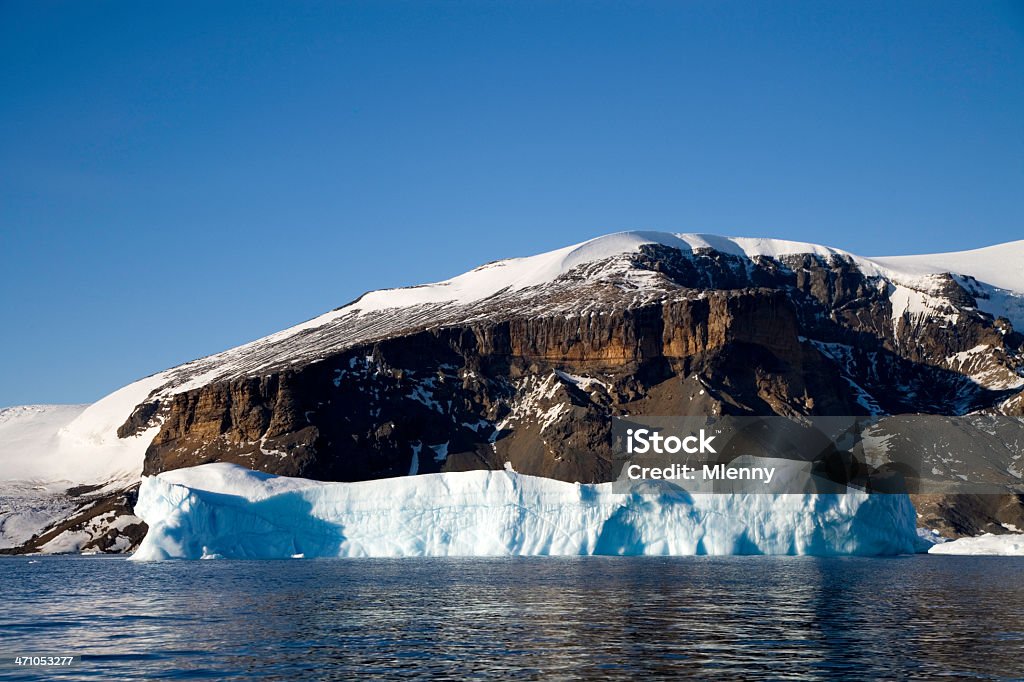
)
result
[(518, 281)]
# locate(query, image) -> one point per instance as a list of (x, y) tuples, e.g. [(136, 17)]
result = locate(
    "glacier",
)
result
[(227, 511)]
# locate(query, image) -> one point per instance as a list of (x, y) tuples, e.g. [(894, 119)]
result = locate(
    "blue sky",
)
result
[(177, 179)]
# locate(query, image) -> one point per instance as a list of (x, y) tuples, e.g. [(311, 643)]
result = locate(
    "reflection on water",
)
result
[(557, 618)]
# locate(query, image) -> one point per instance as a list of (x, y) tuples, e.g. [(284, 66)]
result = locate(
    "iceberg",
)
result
[(227, 511)]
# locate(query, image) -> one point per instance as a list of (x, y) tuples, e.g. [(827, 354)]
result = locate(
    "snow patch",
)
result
[(582, 382), (414, 463), (1000, 545), (440, 452)]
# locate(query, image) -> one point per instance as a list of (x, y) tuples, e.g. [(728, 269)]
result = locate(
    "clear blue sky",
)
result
[(176, 179)]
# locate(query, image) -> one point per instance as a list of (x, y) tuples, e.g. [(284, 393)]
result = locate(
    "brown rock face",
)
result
[(92, 518), (533, 380)]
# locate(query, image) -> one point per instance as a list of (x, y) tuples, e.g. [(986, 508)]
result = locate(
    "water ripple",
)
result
[(551, 618)]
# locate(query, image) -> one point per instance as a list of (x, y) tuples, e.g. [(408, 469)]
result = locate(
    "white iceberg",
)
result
[(224, 510)]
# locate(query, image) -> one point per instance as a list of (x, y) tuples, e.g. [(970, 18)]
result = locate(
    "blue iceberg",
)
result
[(224, 510)]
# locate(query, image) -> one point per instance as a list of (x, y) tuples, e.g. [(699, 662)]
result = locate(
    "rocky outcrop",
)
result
[(100, 521)]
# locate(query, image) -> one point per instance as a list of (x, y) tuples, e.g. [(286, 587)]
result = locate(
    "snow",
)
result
[(74, 540), (582, 382), (515, 274), (25, 513), (1001, 545), (916, 301), (535, 390), (999, 271), (228, 511), (440, 451), (28, 440), (512, 282), (47, 449), (1002, 303), (973, 363), (1001, 266), (76, 444), (414, 463)]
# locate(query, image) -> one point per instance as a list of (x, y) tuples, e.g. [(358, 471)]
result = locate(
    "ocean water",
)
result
[(529, 618)]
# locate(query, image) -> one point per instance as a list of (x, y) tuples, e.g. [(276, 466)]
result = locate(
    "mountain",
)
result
[(524, 361)]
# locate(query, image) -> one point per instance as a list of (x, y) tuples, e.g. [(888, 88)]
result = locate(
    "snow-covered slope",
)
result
[(223, 510), (994, 275), (504, 284), (999, 545), (527, 285), (45, 450), (28, 439), (1001, 265), (75, 444), (516, 274)]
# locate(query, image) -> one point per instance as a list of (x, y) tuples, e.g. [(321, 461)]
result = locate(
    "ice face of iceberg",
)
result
[(223, 510)]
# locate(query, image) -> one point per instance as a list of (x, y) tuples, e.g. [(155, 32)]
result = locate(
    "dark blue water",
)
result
[(551, 618)]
